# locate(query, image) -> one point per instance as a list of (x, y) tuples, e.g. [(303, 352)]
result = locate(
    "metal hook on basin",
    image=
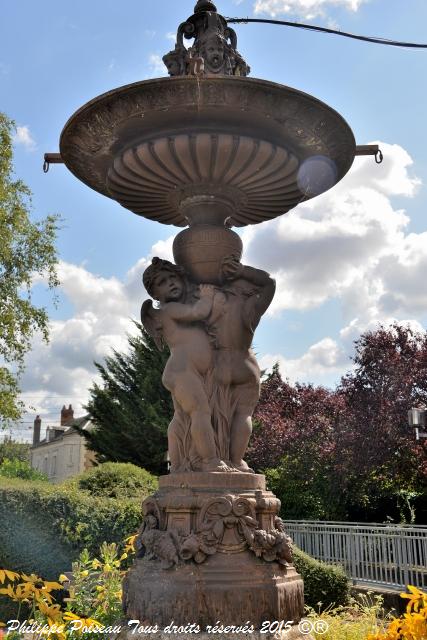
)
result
[(51, 158), (379, 156)]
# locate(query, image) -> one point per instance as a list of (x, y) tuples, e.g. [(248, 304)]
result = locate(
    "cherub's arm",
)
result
[(200, 310), (232, 269)]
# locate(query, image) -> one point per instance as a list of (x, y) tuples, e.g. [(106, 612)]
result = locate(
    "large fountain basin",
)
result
[(262, 146)]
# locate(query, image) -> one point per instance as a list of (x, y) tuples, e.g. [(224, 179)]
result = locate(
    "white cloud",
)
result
[(321, 360), (157, 65), (171, 36), (24, 137), (344, 244), (307, 9), (349, 245)]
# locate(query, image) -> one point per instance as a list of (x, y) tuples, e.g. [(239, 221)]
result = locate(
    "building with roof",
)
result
[(63, 453)]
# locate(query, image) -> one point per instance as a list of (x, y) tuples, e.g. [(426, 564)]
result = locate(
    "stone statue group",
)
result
[(212, 373)]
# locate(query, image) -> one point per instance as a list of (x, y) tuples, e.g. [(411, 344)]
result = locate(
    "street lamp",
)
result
[(417, 420)]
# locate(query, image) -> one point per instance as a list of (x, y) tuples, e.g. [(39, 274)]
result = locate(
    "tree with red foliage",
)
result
[(348, 453), (384, 462), (294, 443)]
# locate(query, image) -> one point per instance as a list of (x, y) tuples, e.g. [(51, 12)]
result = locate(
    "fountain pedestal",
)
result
[(219, 557)]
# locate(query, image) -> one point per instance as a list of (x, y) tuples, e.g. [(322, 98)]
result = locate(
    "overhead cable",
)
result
[(345, 34)]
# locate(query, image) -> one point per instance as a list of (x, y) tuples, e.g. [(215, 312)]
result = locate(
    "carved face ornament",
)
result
[(213, 52)]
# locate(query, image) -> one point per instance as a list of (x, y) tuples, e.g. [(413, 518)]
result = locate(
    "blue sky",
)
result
[(346, 261)]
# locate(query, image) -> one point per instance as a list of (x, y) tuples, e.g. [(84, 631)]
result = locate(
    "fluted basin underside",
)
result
[(258, 177), (260, 146)]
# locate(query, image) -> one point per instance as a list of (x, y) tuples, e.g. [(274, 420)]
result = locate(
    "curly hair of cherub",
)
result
[(157, 265)]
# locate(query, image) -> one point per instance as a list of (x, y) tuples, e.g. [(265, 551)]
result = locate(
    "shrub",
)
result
[(20, 469), (117, 480), (45, 527), (323, 583)]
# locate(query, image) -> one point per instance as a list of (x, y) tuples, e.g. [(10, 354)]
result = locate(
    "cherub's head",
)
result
[(175, 62), (164, 281), (213, 51)]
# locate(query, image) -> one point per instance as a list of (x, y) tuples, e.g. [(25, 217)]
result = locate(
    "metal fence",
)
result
[(377, 554)]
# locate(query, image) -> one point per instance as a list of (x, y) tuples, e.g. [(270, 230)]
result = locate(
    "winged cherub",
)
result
[(178, 323)]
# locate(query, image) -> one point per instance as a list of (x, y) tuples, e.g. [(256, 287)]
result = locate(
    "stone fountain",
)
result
[(209, 149)]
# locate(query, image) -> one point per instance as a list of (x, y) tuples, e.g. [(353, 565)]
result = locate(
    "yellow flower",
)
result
[(413, 624), (123, 556), (107, 568), (52, 611), (415, 597), (11, 575), (85, 573), (85, 622), (8, 591), (63, 578), (36, 588), (96, 564), (130, 543), (38, 583)]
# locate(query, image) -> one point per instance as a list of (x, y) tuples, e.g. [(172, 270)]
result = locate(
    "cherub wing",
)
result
[(151, 323)]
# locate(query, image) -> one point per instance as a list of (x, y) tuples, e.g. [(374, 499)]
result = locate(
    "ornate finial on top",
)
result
[(214, 51), (205, 5)]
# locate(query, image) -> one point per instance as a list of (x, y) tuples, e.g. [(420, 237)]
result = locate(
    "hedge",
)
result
[(44, 527)]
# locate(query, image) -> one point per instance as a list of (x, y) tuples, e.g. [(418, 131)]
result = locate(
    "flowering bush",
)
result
[(93, 602), (413, 624)]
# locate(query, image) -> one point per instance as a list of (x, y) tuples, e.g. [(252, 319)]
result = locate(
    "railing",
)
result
[(377, 554)]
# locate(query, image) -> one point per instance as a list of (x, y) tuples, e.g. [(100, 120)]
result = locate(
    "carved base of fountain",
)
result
[(215, 551)]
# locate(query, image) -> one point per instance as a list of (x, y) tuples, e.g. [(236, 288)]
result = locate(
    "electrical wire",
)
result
[(312, 27)]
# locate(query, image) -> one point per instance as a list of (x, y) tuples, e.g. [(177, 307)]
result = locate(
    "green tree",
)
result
[(14, 450), (131, 410), (27, 252)]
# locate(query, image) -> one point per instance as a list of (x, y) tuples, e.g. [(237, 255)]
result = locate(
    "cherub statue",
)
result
[(178, 323), (247, 293)]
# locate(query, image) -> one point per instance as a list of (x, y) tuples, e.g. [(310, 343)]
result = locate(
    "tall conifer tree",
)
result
[(131, 410)]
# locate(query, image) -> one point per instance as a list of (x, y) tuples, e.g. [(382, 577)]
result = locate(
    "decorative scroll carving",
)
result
[(225, 525)]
